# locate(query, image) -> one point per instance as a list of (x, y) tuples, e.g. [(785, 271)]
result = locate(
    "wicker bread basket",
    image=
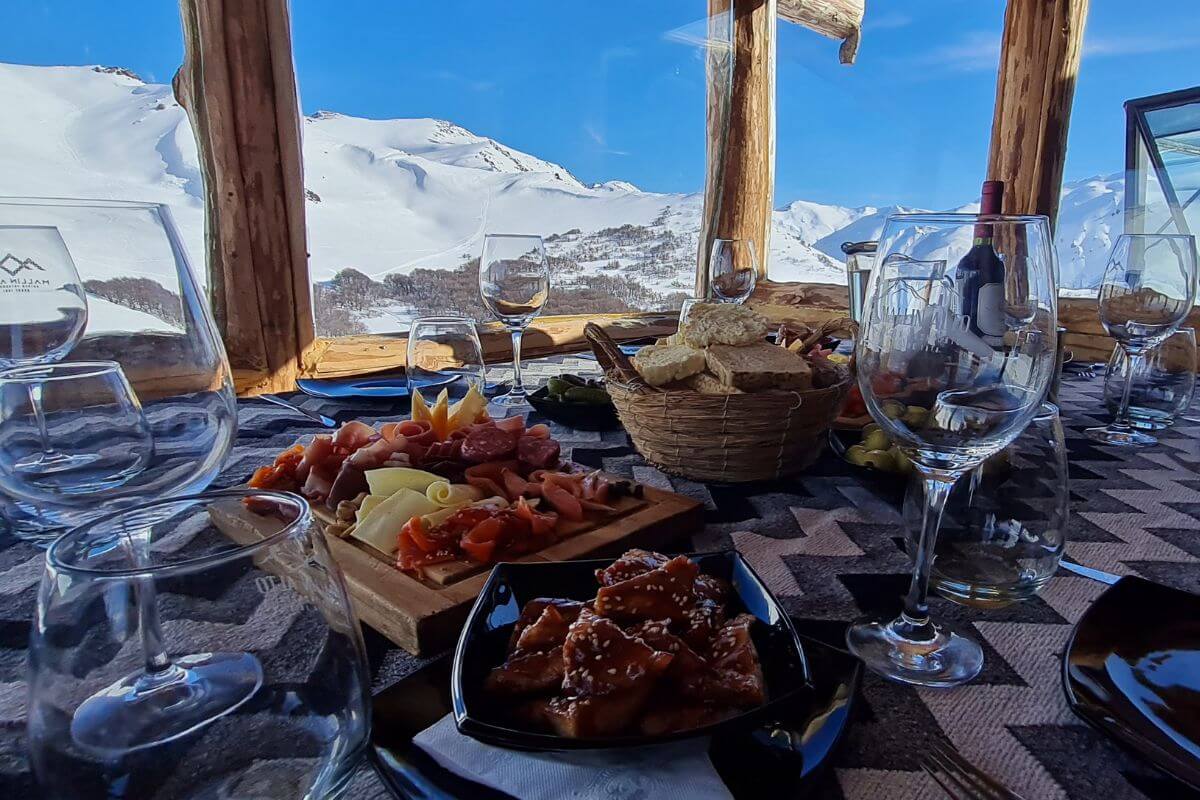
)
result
[(720, 438)]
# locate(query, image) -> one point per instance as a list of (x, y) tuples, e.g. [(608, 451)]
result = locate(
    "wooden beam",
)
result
[(238, 85), (1039, 62), (740, 182), (837, 19)]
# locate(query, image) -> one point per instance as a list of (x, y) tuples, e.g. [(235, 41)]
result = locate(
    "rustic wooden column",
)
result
[(740, 181), (1039, 62), (238, 85), (837, 19)]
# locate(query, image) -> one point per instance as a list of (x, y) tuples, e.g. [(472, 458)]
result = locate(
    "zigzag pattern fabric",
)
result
[(828, 543)]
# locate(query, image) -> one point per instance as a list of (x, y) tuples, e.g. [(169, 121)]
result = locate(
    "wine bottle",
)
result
[(980, 274)]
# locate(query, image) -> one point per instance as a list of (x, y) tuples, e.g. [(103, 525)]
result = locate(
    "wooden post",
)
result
[(837, 19), (1039, 62), (741, 174), (238, 85)]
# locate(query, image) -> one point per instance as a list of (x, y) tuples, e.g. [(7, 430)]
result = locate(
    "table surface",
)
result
[(827, 542)]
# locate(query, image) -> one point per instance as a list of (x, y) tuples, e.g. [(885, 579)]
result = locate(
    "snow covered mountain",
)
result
[(387, 197)]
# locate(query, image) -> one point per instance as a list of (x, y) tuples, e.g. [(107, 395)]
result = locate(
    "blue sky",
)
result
[(605, 89)]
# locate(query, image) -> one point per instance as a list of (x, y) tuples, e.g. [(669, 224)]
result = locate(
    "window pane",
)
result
[(581, 122), (89, 114), (905, 128)]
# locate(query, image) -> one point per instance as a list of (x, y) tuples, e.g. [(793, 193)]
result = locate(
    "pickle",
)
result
[(586, 394), (558, 386), (573, 380)]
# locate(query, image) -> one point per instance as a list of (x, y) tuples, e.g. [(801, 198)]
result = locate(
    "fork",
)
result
[(314, 416), (959, 778)]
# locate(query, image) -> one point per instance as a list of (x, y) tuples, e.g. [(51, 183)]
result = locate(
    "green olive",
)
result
[(915, 416), (857, 455), (904, 464), (876, 440), (894, 410), (870, 428), (880, 459)]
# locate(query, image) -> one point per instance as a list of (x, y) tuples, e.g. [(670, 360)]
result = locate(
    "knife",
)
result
[(1088, 572)]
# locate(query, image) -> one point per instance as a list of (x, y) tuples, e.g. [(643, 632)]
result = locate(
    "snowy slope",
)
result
[(390, 196)]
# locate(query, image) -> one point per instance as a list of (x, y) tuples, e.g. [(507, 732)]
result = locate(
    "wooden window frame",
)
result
[(238, 85)]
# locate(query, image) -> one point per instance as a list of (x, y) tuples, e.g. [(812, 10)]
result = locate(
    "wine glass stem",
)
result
[(39, 415), (1133, 362), (916, 605), (137, 545), (518, 386)]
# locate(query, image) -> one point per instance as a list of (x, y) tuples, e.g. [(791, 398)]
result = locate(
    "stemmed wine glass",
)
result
[(732, 270), (514, 282), (978, 360), (43, 312), (1148, 289)]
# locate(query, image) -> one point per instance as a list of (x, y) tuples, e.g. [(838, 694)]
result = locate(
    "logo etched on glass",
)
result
[(15, 266)]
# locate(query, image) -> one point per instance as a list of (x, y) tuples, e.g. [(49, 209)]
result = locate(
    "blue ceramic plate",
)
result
[(367, 387), (485, 635)]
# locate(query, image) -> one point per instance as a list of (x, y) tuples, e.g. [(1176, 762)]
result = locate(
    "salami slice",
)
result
[(488, 444), (537, 453)]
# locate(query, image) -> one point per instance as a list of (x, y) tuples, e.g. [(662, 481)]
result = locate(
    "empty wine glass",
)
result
[(444, 347), (1149, 287), (43, 307), (86, 414), (254, 685), (514, 283), (1162, 387), (146, 312), (948, 397), (732, 270)]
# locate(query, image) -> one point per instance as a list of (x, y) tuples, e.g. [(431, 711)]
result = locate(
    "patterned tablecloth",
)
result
[(827, 543)]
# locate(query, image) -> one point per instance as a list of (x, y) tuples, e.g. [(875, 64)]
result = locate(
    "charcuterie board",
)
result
[(424, 615)]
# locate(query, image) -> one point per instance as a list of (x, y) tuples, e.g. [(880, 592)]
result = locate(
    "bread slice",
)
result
[(659, 364), (707, 383), (723, 323), (758, 366)]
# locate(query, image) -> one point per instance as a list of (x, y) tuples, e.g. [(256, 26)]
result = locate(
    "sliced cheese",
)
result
[(369, 502), (445, 493), (464, 412), (388, 480), (380, 528), (440, 516), (439, 416), (420, 411)]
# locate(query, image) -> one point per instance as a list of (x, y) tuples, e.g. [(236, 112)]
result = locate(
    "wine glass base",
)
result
[(1121, 437), (512, 401), (946, 660), (148, 709)]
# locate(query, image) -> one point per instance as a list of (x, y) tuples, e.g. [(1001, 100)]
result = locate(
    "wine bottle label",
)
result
[(989, 311)]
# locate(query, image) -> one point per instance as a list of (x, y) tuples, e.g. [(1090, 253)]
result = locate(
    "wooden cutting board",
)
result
[(424, 616)]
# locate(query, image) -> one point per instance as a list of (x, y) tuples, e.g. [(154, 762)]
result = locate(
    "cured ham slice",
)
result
[(663, 593)]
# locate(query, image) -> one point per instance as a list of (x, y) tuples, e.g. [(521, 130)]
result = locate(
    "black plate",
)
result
[(485, 635), (780, 757), (1132, 670), (581, 416)]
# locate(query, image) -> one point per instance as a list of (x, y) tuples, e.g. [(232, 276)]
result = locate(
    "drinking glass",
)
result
[(1149, 287), (148, 313), (685, 309), (254, 684), (948, 397), (732, 270), (440, 347), (514, 283), (86, 414), (1162, 386), (1005, 524), (43, 308)]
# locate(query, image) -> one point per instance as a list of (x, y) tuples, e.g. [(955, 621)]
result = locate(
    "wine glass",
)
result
[(442, 347), (147, 313), (1149, 287), (256, 686), (514, 282), (1162, 389), (43, 308), (85, 413), (732, 270), (948, 396)]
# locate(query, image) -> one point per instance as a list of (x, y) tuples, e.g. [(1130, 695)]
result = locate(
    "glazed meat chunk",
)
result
[(632, 563), (528, 673), (547, 633), (734, 676), (601, 659), (663, 593), (567, 609)]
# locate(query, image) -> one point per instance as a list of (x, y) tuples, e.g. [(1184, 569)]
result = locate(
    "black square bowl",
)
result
[(484, 638)]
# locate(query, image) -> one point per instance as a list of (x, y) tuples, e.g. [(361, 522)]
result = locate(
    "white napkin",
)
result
[(680, 769)]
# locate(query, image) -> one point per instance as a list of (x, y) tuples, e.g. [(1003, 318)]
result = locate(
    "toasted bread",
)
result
[(723, 323), (660, 364), (758, 366)]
